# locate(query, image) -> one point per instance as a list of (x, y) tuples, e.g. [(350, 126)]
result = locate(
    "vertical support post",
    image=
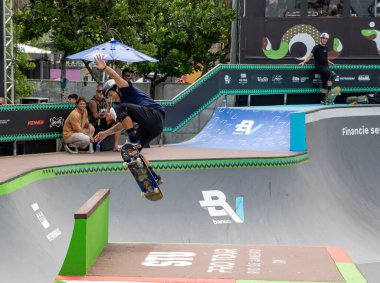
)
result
[(7, 60), (3, 89)]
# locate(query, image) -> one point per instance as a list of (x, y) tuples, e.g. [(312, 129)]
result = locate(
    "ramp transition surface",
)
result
[(245, 128)]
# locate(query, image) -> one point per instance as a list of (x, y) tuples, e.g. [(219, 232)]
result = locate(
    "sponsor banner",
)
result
[(245, 128), (294, 78), (32, 122)]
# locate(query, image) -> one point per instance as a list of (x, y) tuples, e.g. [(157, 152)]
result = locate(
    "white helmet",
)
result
[(325, 35), (108, 85)]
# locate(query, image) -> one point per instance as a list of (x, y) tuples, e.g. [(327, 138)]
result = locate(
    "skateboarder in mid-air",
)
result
[(134, 106), (322, 62)]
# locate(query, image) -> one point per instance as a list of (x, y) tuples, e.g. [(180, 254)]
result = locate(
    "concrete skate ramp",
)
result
[(333, 200), (262, 128), (245, 128)]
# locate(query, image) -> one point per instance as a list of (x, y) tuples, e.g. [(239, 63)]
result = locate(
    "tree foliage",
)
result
[(179, 33), (72, 25), (21, 87), (184, 33)]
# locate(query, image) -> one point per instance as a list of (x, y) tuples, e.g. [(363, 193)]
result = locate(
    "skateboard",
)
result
[(331, 95), (135, 162)]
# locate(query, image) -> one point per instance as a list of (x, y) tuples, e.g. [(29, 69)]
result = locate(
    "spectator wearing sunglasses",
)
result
[(100, 116)]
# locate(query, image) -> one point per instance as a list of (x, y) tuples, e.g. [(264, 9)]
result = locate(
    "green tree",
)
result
[(21, 86), (179, 33), (184, 33), (72, 25)]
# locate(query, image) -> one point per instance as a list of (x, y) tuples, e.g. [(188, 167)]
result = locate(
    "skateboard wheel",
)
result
[(139, 162), (142, 195), (156, 190), (125, 165)]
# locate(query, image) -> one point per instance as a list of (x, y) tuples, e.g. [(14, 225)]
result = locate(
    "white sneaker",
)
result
[(68, 149)]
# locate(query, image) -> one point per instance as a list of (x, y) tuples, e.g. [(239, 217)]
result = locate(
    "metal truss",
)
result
[(8, 50)]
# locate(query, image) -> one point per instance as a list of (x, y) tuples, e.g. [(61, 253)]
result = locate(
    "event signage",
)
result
[(293, 78), (29, 123)]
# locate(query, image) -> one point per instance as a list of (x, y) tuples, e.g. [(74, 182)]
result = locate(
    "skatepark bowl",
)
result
[(261, 195)]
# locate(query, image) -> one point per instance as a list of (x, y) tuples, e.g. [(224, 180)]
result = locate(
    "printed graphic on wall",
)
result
[(373, 35), (305, 34)]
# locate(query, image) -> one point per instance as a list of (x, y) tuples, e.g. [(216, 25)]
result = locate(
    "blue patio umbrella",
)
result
[(113, 50)]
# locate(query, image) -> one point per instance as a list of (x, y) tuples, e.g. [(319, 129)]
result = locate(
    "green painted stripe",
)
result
[(23, 180), (42, 106), (350, 272), (53, 172), (116, 167), (26, 137)]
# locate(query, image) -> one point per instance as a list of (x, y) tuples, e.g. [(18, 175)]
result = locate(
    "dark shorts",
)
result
[(326, 75), (150, 121)]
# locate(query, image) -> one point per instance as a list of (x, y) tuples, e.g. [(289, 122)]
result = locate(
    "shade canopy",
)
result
[(113, 50)]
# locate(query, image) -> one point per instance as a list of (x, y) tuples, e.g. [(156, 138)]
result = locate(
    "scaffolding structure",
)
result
[(7, 60)]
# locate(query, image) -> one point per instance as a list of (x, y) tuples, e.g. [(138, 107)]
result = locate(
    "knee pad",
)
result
[(332, 76)]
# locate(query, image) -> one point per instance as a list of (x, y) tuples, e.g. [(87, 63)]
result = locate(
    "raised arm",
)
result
[(102, 65)]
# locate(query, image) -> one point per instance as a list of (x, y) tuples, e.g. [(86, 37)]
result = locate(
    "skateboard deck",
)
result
[(135, 162), (331, 95)]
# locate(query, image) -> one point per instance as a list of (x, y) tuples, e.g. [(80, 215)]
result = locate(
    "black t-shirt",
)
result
[(320, 56)]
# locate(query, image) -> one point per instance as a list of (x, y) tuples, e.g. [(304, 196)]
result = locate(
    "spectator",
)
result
[(100, 116), (77, 131), (72, 98), (3, 101), (127, 74)]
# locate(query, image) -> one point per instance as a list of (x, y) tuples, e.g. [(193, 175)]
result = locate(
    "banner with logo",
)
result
[(263, 80), (245, 128), (32, 121), (282, 78)]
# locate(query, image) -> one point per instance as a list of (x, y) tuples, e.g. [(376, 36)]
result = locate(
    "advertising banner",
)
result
[(291, 78), (32, 122), (245, 128)]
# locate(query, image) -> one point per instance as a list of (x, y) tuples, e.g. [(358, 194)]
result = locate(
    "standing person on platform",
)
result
[(322, 62), (77, 131), (136, 106), (100, 116)]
